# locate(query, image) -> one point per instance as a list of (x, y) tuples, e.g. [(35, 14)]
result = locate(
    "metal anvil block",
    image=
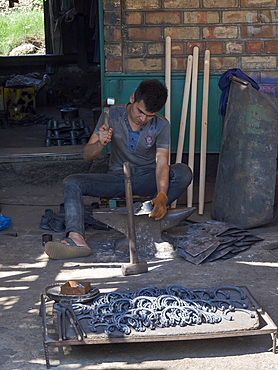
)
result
[(148, 231)]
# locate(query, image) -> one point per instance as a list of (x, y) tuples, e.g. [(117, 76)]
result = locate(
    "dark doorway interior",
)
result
[(69, 74)]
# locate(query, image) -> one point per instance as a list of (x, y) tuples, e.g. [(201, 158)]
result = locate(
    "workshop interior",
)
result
[(196, 289)]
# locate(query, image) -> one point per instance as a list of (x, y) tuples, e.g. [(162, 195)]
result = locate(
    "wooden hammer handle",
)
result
[(130, 215)]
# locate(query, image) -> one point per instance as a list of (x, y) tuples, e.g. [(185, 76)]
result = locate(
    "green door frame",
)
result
[(101, 45)]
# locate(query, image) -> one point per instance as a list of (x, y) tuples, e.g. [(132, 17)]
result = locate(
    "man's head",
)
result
[(153, 93)]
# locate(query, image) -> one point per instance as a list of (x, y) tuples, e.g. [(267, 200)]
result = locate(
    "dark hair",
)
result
[(153, 93)]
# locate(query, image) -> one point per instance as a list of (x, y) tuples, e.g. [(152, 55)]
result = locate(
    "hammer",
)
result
[(135, 267), (106, 105)]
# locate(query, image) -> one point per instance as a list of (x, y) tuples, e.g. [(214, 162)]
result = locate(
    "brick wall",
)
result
[(238, 33)]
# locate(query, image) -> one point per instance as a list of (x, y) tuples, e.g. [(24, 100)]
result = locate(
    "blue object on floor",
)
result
[(4, 222)]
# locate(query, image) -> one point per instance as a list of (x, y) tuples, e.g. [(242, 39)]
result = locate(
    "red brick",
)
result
[(142, 4), (143, 64), (112, 18), (134, 18), (200, 17), (271, 47), (178, 64), (182, 33), (237, 16), (177, 47), (220, 32), (215, 47), (220, 3), (258, 31), (223, 63), (112, 34), (253, 47), (191, 45), (111, 4), (257, 3), (234, 47), (114, 65), (155, 48), (177, 4), (135, 48), (113, 50), (163, 17), (257, 62), (144, 34), (269, 16)]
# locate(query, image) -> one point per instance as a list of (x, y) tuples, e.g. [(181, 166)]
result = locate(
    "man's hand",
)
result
[(159, 203), (104, 134)]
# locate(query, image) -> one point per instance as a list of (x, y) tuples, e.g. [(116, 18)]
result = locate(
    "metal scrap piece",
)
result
[(139, 208), (209, 241)]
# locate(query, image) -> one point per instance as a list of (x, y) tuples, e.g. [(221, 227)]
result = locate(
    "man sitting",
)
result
[(139, 135)]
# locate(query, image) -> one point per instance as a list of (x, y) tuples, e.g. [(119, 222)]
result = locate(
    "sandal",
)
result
[(61, 251)]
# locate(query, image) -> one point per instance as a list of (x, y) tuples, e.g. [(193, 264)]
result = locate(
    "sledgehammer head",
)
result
[(135, 268)]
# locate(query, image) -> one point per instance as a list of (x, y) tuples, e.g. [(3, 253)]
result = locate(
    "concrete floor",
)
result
[(26, 271)]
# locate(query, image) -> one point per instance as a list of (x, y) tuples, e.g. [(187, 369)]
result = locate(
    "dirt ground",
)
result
[(26, 271)]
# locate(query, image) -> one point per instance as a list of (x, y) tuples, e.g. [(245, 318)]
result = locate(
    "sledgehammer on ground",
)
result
[(135, 267)]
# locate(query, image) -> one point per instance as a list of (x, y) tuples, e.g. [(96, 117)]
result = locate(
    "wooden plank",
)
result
[(203, 153), (192, 123), (184, 114), (168, 83)]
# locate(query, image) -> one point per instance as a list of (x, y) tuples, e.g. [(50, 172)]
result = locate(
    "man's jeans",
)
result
[(112, 184)]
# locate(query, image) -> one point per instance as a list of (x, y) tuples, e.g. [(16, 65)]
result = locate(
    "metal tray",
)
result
[(54, 293)]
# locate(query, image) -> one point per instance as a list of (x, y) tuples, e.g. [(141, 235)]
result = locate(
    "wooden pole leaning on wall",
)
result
[(186, 93), (168, 84), (203, 152), (192, 123)]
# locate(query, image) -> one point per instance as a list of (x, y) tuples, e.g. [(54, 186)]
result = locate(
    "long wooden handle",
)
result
[(192, 122), (184, 109), (130, 215), (186, 93), (168, 82), (204, 134)]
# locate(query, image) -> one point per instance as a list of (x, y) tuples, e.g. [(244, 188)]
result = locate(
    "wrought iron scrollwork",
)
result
[(153, 307)]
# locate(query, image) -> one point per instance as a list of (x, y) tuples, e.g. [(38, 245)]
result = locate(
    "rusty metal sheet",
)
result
[(245, 181)]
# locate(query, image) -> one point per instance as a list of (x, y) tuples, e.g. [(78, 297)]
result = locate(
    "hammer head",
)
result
[(135, 268), (108, 102)]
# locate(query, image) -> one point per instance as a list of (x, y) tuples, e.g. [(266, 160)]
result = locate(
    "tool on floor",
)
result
[(46, 238), (11, 234), (135, 266)]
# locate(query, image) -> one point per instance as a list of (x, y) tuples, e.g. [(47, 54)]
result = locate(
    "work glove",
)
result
[(159, 206)]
